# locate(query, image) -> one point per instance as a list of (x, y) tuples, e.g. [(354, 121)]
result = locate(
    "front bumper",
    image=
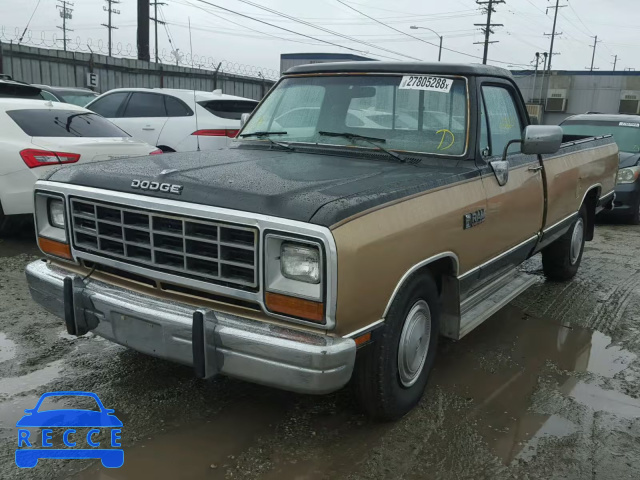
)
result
[(627, 195), (218, 341)]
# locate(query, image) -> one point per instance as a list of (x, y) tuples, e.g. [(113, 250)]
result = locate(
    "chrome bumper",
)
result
[(224, 343)]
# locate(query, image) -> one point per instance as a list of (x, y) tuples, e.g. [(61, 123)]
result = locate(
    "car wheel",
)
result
[(391, 374), (561, 259)]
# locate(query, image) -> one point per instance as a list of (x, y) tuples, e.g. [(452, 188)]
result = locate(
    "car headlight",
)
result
[(56, 213), (300, 262), (628, 175), (294, 277)]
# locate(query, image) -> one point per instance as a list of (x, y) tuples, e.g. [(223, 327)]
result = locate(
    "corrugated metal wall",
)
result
[(69, 69), (585, 92)]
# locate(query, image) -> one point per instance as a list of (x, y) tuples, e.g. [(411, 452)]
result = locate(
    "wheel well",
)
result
[(166, 149), (438, 269), (591, 202)]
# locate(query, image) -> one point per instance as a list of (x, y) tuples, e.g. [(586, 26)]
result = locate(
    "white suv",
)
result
[(175, 120)]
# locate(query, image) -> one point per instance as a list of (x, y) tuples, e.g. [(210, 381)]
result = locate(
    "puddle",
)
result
[(499, 366), (30, 381), (190, 450), (7, 348), (11, 411)]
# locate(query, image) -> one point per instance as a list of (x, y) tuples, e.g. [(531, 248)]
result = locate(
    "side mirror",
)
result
[(541, 139), (243, 119)]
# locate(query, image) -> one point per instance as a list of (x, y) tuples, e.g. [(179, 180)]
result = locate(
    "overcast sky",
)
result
[(225, 36)]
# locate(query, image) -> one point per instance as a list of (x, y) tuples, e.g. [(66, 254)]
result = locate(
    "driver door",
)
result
[(514, 210)]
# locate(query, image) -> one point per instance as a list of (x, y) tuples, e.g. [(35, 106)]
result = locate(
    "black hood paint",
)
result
[(628, 159), (316, 188)]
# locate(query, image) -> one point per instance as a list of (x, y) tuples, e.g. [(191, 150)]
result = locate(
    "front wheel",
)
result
[(634, 218), (561, 259), (391, 375)]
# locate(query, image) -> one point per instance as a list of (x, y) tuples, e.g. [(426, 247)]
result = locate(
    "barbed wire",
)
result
[(118, 49)]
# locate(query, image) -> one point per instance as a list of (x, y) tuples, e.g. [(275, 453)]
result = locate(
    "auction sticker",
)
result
[(426, 82)]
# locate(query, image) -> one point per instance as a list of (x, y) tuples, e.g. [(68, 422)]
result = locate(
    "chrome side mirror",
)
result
[(501, 171), (243, 119), (541, 139)]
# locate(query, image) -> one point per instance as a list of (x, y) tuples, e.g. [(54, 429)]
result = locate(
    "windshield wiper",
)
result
[(265, 135), (371, 140), (262, 134)]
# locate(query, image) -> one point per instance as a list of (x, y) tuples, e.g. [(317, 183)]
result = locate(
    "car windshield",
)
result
[(422, 113), (79, 99), (64, 123), (626, 134)]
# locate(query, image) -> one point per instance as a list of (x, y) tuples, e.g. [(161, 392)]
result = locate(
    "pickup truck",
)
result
[(366, 209)]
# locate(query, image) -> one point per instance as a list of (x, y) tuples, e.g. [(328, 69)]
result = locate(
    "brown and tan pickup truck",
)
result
[(366, 209)]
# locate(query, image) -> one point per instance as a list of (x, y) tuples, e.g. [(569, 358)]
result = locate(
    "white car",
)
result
[(37, 136), (175, 120)]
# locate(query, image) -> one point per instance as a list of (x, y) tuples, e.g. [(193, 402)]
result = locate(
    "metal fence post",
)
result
[(215, 76)]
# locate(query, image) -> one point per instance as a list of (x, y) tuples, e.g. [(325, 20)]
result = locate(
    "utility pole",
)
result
[(108, 24), (615, 61), (553, 32), (65, 14), (143, 30), (486, 28), (535, 77), (593, 57), (156, 22), (544, 69)]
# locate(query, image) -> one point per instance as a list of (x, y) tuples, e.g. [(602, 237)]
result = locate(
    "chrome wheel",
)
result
[(414, 343), (576, 241)]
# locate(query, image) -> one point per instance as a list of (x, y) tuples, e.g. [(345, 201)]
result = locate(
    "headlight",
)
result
[(300, 262), (628, 175), (56, 213)]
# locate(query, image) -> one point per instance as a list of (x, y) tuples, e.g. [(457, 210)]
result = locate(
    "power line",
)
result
[(108, 25), (27, 25), (487, 28), (304, 22)]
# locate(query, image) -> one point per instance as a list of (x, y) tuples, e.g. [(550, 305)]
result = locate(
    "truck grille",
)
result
[(206, 250)]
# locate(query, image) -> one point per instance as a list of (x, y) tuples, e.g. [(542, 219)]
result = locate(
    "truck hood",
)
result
[(628, 159), (315, 188)]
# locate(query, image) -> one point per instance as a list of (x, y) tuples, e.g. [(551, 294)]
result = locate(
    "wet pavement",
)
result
[(547, 388)]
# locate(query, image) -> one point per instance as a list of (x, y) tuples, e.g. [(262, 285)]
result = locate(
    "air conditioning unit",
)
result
[(556, 101), (629, 102), (535, 113)]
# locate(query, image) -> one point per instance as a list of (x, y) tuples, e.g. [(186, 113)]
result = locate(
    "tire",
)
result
[(561, 259), (389, 384), (5, 223)]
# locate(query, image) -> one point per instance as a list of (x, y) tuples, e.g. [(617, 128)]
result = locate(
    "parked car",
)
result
[(175, 120), (37, 136), (12, 89), (74, 95), (626, 132), (300, 259)]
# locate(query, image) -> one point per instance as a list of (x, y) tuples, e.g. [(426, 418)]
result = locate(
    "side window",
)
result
[(176, 108), (145, 105), (109, 105), (503, 119), (48, 96)]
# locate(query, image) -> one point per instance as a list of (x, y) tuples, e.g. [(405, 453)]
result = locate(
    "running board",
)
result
[(490, 299)]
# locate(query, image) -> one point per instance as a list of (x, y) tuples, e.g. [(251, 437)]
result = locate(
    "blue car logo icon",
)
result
[(33, 447)]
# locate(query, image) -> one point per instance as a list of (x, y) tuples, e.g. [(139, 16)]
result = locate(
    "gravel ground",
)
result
[(547, 388)]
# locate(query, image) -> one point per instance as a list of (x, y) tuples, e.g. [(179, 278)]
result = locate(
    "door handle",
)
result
[(535, 169), (148, 128)]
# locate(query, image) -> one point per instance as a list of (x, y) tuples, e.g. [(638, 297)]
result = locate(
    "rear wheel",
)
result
[(561, 259), (391, 375)]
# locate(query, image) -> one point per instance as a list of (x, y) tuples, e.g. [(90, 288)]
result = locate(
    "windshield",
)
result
[(626, 134), (421, 113), (79, 99)]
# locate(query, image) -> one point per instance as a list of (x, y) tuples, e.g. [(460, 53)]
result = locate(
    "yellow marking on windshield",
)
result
[(444, 132)]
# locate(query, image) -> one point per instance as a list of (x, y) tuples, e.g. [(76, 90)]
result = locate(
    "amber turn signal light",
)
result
[(52, 247), (296, 307), (362, 339)]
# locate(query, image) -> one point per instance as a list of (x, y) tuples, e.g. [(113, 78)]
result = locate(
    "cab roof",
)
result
[(463, 69)]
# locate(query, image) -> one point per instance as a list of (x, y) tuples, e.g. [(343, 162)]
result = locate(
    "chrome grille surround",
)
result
[(208, 250), (180, 208)]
